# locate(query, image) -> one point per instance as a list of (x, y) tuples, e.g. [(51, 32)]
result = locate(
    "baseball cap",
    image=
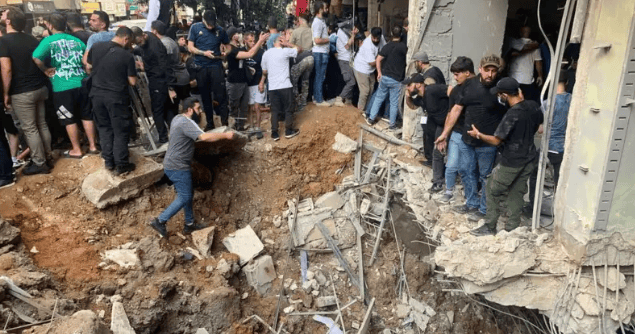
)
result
[(415, 78), (210, 17), (232, 31), (507, 86), (421, 56), (491, 60)]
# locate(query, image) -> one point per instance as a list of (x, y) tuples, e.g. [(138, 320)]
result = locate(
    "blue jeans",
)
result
[(387, 86), (453, 166), (321, 60), (182, 180), (479, 162)]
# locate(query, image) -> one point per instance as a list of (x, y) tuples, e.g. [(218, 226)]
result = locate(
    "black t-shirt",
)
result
[(454, 96), (435, 102), (193, 71), (155, 59), (517, 130), (25, 75), (254, 63), (436, 74), (83, 35), (112, 65), (235, 67), (481, 109), (394, 63)]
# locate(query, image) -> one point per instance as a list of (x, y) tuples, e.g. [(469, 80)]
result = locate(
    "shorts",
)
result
[(255, 96), (71, 106)]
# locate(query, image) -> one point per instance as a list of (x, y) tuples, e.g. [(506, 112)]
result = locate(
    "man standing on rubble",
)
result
[(519, 156), (184, 132)]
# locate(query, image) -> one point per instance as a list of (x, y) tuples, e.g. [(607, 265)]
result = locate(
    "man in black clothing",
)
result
[(431, 74), (155, 64), (76, 27), (434, 99), (113, 70), (518, 155)]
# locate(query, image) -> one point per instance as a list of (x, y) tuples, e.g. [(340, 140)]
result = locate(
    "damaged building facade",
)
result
[(581, 276)]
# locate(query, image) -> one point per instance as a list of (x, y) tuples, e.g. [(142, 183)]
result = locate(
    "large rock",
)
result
[(222, 146), (102, 188), (119, 323), (203, 240), (9, 234), (82, 322), (245, 243), (344, 144), (153, 256), (125, 258), (260, 273)]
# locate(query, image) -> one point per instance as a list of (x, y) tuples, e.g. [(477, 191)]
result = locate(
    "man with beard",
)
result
[(481, 109), (301, 37), (99, 23), (431, 74), (519, 156), (321, 44), (184, 133)]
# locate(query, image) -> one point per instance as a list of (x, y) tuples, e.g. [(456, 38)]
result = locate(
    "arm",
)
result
[(540, 78), (450, 121), (5, 63), (254, 50), (321, 41), (195, 51), (492, 140), (378, 64), (132, 81), (49, 71), (212, 137), (351, 40), (261, 85)]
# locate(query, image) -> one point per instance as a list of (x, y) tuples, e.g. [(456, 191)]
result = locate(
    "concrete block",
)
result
[(325, 301), (331, 200), (344, 144), (102, 188), (203, 240), (222, 146), (245, 243), (125, 258), (202, 331), (119, 323), (260, 273), (403, 311)]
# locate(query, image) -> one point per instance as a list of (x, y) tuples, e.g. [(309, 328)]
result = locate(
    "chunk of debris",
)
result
[(245, 243), (202, 331), (344, 144), (616, 280), (333, 328), (325, 301), (331, 200), (260, 273), (34, 250), (9, 234), (119, 323), (289, 309), (125, 258), (102, 188), (203, 240), (85, 322), (227, 268), (403, 310)]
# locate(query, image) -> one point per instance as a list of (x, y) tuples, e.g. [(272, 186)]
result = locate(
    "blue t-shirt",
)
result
[(103, 36), (204, 40), (559, 123)]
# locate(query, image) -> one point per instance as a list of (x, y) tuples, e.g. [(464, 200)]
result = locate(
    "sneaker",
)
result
[(339, 102), (370, 121), (482, 231), (34, 169), (323, 104), (393, 128), (18, 163), (436, 188), (160, 227), (123, 169), (475, 216), (189, 228), (464, 209), (291, 133), (446, 198), (275, 136), (6, 183)]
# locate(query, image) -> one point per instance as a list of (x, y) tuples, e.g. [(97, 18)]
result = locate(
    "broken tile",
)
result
[(245, 243), (260, 273)]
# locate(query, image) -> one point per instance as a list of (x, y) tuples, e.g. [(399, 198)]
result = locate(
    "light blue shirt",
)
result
[(103, 36)]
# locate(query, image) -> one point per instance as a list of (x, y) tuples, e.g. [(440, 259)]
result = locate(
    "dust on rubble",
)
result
[(63, 238)]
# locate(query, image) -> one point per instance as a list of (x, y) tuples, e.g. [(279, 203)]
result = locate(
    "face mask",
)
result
[(502, 102)]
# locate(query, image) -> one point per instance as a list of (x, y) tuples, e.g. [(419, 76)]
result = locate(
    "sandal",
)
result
[(67, 155)]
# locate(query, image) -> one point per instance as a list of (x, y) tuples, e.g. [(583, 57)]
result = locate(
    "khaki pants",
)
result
[(366, 83), (30, 110)]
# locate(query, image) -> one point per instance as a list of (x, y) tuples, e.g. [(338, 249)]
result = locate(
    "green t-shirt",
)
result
[(65, 53)]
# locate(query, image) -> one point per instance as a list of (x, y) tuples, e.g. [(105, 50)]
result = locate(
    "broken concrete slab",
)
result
[(325, 301), (102, 188), (9, 234), (203, 240), (244, 243), (344, 144), (223, 146), (260, 273), (614, 281), (84, 322), (331, 200), (119, 323), (125, 258)]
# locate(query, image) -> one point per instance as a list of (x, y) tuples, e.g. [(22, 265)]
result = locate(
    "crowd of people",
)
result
[(74, 85)]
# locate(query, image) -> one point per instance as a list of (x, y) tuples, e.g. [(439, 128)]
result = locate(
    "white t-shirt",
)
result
[(320, 30), (342, 40), (276, 62), (154, 7), (521, 68), (367, 54)]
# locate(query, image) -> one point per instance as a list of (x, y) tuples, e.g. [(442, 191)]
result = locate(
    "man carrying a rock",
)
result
[(184, 132)]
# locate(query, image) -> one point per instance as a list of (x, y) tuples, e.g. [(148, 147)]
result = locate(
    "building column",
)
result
[(412, 117), (373, 7)]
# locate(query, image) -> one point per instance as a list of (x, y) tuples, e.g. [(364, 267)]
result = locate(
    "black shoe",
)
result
[(427, 163), (370, 121), (6, 183), (123, 169), (482, 231), (259, 135), (189, 228), (475, 216), (160, 227), (275, 136), (436, 188), (34, 169), (110, 167), (291, 133), (394, 128), (464, 210), (446, 198)]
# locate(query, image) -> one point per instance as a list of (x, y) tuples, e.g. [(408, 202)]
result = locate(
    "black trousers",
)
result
[(432, 131), (6, 164), (282, 105), (159, 99), (211, 84), (114, 121), (556, 160)]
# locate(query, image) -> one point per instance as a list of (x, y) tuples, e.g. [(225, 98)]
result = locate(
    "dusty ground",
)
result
[(172, 295)]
